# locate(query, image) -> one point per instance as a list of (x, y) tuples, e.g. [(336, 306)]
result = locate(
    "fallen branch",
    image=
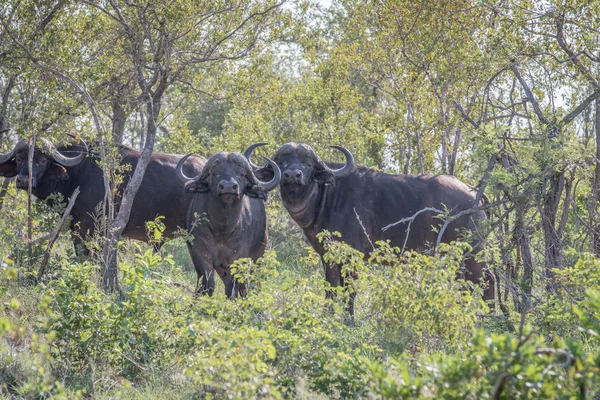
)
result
[(56, 233)]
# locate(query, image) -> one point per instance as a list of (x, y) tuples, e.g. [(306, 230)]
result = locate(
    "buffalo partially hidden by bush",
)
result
[(327, 196), (160, 193), (226, 217)]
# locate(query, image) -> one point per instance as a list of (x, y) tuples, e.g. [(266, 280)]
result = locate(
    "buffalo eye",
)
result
[(307, 165), (19, 159), (43, 161)]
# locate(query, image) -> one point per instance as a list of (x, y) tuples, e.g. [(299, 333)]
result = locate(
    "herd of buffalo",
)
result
[(220, 202)]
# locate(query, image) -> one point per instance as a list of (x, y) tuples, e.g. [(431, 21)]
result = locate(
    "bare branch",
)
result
[(560, 37), (363, 228), (56, 233), (464, 114), (580, 108), (529, 95), (410, 221), (471, 210)]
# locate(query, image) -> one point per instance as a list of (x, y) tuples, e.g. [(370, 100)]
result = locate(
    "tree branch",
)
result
[(529, 94), (56, 233)]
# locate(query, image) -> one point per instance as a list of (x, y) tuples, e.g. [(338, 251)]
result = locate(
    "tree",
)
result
[(156, 45)]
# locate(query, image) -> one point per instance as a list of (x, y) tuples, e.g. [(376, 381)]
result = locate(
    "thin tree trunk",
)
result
[(420, 154), (56, 233), (3, 191), (522, 238), (551, 239), (110, 276), (454, 155), (118, 122), (596, 184), (143, 127), (4, 106), (29, 188)]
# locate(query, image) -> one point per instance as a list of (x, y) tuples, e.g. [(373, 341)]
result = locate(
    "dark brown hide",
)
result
[(317, 201), (160, 194), (226, 218)]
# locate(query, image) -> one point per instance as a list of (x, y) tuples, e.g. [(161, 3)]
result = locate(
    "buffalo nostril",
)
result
[(235, 187), (221, 186), (298, 175)]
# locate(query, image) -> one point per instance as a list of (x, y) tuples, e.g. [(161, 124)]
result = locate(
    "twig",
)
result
[(471, 210), (484, 179), (410, 221), (499, 386), (363, 228), (56, 233)]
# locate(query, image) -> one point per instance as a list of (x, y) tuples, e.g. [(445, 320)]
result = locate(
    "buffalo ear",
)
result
[(8, 170), (198, 186), (265, 174), (57, 172), (324, 176), (256, 192)]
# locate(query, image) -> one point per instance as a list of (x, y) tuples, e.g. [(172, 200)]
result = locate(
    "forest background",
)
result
[(503, 94)]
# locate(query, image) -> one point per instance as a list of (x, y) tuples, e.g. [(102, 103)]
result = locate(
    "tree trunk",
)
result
[(4, 106), (420, 153), (551, 238), (118, 122), (3, 191), (523, 240), (29, 187), (454, 155), (596, 183), (110, 277)]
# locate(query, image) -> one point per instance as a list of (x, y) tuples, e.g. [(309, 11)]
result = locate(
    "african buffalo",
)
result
[(226, 217), (160, 193), (325, 196)]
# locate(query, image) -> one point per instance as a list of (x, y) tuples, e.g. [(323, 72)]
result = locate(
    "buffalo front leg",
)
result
[(333, 275), (205, 285), (233, 288), (79, 235), (478, 272)]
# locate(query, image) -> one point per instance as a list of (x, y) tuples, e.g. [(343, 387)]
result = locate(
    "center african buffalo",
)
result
[(160, 193), (321, 196), (226, 217)]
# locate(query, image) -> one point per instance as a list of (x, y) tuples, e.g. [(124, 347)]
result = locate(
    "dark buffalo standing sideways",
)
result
[(160, 193), (324, 196), (226, 217)]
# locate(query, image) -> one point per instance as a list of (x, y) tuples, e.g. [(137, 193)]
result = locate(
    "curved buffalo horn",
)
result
[(346, 169), (181, 176), (272, 184), (248, 153), (7, 156), (49, 148)]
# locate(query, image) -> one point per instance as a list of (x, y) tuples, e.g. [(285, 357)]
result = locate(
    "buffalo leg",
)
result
[(477, 272), (333, 275), (233, 288), (205, 272)]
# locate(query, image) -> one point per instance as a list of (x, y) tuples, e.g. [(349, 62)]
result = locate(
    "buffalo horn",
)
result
[(7, 156), (183, 178), (248, 154), (49, 148), (272, 184), (346, 169)]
